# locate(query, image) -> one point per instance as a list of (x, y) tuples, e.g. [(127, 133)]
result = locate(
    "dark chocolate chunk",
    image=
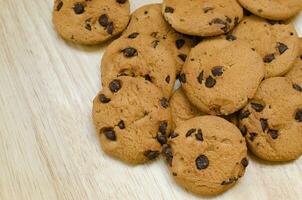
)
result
[(200, 77), (189, 133), (168, 153), (273, 134), (103, 20), (281, 47), (231, 37), (109, 133), (167, 79), (182, 78), (217, 71), (164, 102), (174, 135), (257, 107), (298, 115), (163, 127), (88, 27), (121, 1), (110, 28), (162, 139), (269, 58), (133, 35), (244, 162), (210, 82), (236, 21), (148, 77), (151, 155), (129, 52), (264, 124), (297, 87), (207, 9), (169, 10), (199, 135), (183, 57), (244, 114), (252, 136), (104, 99), (180, 43), (115, 85), (60, 5), (78, 8), (121, 125), (202, 162)]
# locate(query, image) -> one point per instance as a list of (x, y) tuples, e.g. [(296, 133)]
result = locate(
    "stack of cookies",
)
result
[(240, 68)]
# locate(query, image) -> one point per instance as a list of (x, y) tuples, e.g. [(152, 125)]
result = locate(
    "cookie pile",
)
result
[(240, 69)]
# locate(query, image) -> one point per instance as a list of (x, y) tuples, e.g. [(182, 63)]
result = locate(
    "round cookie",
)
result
[(276, 43), (273, 9), (272, 121), (141, 56), (132, 118), (150, 21), (202, 17), (207, 155), (221, 74), (181, 108), (90, 21)]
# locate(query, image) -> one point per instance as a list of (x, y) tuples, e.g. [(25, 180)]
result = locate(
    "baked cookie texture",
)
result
[(295, 74), (207, 155), (140, 56), (221, 74), (273, 9), (149, 20), (202, 17), (277, 43), (132, 118), (272, 121), (90, 22)]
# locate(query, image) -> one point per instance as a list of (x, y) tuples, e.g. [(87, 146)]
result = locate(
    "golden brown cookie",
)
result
[(202, 17), (207, 155), (140, 56), (273, 9), (150, 21), (276, 43), (132, 118), (221, 74), (295, 74), (272, 121), (90, 21)]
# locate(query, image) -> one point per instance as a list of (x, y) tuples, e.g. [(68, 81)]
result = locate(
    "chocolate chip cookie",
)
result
[(132, 118), (221, 74), (140, 56), (272, 121), (90, 21), (273, 9), (295, 74), (207, 155), (202, 18), (181, 108), (276, 42), (150, 21)]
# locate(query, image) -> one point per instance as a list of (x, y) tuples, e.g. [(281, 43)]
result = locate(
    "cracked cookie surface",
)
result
[(132, 119), (221, 74), (90, 21), (207, 155), (273, 120), (202, 17)]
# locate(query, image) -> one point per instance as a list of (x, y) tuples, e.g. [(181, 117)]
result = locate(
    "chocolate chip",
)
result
[(115, 85), (103, 20), (269, 58), (244, 162), (148, 77), (298, 116), (281, 47), (174, 135), (129, 52), (167, 79), (110, 28), (151, 155), (202, 162), (236, 21), (253, 136), (243, 130), (207, 9), (229, 20), (78, 8), (200, 77), (264, 124), (189, 133), (229, 181), (164, 102), (297, 87), (180, 43), (104, 99), (182, 78), (174, 174), (109, 133), (199, 135), (168, 153), (121, 125), (163, 127), (217, 21), (121, 1), (183, 57), (244, 114), (60, 5), (155, 43), (133, 35), (257, 107), (273, 134), (169, 10), (146, 12), (88, 27), (162, 139), (217, 71), (231, 37), (210, 82)]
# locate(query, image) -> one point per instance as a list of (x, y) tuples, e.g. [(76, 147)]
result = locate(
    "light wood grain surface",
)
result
[(48, 146)]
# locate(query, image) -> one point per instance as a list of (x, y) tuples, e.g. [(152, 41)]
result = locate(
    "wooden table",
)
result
[(48, 145)]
